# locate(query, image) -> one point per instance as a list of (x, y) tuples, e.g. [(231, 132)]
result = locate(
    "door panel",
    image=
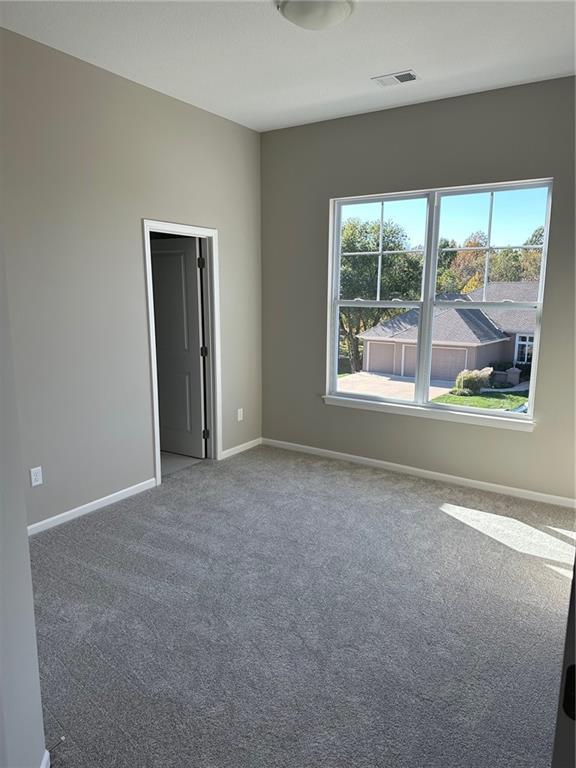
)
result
[(178, 342), (409, 360), (174, 397), (381, 358), (447, 362)]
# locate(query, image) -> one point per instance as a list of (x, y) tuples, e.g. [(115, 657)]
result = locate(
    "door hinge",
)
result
[(205, 434), (203, 351), (201, 262)]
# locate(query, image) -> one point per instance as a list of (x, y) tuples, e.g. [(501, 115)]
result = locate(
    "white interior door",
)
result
[(179, 343)]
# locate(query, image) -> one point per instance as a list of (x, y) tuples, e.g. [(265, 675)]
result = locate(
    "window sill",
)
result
[(519, 422)]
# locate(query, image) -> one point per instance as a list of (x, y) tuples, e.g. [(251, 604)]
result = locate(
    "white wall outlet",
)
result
[(240, 414), (36, 476)]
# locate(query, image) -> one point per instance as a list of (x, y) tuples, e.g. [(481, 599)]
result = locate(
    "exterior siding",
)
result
[(490, 353)]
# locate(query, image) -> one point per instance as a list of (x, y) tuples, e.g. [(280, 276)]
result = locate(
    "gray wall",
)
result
[(87, 155), (515, 133), (21, 729)]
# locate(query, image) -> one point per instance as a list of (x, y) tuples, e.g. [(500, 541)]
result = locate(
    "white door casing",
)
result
[(208, 238)]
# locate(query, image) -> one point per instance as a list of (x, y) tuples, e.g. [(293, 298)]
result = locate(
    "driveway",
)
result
[(383, 385)]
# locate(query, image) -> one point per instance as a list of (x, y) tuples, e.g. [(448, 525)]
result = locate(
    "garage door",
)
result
[(447, 362), (409, 360), (380, 357)]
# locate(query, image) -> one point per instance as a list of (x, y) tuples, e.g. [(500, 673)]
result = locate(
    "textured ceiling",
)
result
[(242, 60)]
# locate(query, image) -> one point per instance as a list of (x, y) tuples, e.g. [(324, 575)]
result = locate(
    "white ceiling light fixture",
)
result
[(316, 14)]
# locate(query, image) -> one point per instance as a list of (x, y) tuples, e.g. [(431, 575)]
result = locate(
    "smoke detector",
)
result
[(395, 78)]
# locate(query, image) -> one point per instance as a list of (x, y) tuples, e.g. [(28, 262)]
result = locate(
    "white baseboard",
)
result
[(521, 493), (240, 448), (64, 517), (45, 760)]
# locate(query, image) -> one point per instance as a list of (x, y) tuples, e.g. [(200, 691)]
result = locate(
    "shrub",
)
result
[(498, 366), (525, 369), (473, 381)]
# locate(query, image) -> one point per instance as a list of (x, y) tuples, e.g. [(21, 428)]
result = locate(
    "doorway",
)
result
[(181, 270)]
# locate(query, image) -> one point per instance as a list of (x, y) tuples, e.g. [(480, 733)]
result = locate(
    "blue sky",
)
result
[(516, 215)]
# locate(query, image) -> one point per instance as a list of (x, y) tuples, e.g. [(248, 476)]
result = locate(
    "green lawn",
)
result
[(502, 400)]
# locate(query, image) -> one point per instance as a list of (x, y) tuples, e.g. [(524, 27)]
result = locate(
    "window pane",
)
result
[(401, 276), (377, 352), (516, 229), (513, 274), (358, 277), (519, 216), (404, 224), (360, 227), (492, 347), (464, 216), (464, 224), (461, 270)]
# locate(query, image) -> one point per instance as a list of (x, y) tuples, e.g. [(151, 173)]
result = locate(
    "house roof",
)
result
[(465, 326), (510, 320)]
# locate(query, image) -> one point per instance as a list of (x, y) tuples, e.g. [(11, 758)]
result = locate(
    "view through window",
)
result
[(437, 296)]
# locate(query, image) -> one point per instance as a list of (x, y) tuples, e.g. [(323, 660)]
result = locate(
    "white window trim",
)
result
[(528, 343), (421, 406)]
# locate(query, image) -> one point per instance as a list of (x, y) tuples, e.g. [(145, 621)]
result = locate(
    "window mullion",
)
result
[(487, 255), (380, 244), (424, 352)]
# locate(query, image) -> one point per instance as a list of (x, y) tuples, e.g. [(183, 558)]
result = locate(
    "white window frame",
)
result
[(527, 343), (421, 406)]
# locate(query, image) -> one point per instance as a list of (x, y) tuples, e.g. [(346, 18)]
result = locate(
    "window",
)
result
[(436, 299), (524, 345)]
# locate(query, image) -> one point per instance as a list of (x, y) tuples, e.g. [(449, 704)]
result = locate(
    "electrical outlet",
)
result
[(240, 414), (36, 476)]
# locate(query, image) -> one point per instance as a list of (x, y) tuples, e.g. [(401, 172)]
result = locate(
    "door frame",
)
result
[(213, 392)]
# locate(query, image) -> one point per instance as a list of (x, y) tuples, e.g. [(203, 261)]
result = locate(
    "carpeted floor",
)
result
[(277, 610)]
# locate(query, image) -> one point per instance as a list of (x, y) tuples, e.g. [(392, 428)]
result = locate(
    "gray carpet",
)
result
[(277, 610)]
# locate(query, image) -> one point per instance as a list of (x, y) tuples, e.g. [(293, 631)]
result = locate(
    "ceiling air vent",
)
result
[(395, 78)]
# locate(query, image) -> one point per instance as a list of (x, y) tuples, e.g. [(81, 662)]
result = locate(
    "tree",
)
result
[(401, 276), (506, 266), (469, 263), (446, 257), (447, 280), (531, 259), (472, 284), (359, 236), (537, 237), (514, 265)]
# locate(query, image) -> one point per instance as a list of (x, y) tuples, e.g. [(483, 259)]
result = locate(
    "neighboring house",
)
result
[(461, 338)]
